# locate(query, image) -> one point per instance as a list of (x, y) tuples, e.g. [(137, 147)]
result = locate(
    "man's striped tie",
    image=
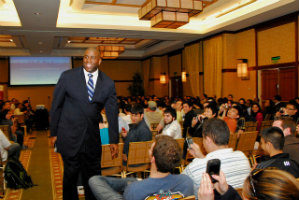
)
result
[(90, 87)]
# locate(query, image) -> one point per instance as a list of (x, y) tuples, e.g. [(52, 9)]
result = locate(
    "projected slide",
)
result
[(37, 70)]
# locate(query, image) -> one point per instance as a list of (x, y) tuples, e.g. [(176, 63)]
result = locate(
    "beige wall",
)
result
[(159, 64), (277, 41), (239, 46)]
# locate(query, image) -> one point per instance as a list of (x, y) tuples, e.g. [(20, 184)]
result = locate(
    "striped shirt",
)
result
[(234, 165)]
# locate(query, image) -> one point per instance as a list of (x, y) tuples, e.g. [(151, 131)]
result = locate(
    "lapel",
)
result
[(82, 84), (99, 84)]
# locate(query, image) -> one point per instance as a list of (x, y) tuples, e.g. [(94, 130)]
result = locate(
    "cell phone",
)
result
[(189, 142), (213, 168)]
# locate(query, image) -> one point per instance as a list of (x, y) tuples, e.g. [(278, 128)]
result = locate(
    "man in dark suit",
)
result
[(80, 95)]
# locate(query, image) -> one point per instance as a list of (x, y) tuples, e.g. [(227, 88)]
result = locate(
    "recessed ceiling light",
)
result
[(40, 43), (11, 40), (37, 13), (69, 41)]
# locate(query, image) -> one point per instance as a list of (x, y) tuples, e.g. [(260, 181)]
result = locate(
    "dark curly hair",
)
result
[(167, 153)]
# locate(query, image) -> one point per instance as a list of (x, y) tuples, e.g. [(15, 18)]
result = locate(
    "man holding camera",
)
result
[(215, 140)]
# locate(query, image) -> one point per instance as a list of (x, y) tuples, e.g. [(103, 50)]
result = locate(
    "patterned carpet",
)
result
[(25, 159), (56, 167)]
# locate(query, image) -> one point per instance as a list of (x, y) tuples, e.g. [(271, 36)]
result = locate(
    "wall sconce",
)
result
[(163, 78), (242, 69), (184, 76)]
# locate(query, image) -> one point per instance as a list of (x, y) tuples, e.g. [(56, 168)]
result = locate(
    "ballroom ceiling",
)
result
[(67, 27)]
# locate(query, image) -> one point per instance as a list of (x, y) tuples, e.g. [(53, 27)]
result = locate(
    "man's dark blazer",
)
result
[(75, 120)]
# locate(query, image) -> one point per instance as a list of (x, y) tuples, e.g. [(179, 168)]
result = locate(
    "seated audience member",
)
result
[(18, 109), (127, 113), (272, 142), (256, 115), (269, 110), (277, 103), (165, 156), (215, 140), (152, 114), (138, 132), (270, 184), (172, 127), (7, 149), (189, 114), (291, 143), (291, 110), (179, 112), (234, 119), (210, 111)]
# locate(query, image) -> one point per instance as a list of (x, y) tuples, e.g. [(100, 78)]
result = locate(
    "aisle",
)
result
[(39, 169)]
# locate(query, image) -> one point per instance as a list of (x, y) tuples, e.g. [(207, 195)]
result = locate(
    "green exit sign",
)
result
[(275, 59)]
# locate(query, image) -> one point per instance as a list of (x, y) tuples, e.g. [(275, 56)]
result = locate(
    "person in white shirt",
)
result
[(7, 149), (172, 127), (215, 140)]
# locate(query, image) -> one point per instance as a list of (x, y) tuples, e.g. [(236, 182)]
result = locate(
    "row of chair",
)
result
[(251, 126)]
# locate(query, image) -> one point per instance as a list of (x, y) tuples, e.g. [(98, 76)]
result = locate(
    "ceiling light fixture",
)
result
[(41, 51), (11, 40), (69, 41), (169, 13), (40, 43), (37, 13), (110, 52)]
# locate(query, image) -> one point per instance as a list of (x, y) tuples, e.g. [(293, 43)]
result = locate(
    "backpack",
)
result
[(16, 176)]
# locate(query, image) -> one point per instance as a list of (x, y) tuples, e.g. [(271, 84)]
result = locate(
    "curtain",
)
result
[(191, 56), (213, 57)]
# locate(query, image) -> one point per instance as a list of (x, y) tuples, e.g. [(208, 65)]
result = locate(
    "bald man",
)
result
[(80, 95)]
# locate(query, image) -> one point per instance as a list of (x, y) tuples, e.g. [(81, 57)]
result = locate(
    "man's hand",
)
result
[(114, 150), (195, 151), (53, 140), (221, 186), (124, 133), (205, 191)]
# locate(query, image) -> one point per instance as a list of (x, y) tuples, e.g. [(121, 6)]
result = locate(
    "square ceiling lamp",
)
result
[(110, 52), (169, 13)]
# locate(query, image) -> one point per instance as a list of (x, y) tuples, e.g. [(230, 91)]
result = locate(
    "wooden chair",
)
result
[(2, 180), (109, 166), (189, 198), (233, 138), (138, 158), (21, 121), (153, 126), (266, 124), (246, 144), (240, 191), (181, 142), (250, 126), (5, 130)]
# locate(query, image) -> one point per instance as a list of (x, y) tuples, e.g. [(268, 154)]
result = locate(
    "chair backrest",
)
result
[(266, 124), (240, 191), (107, 160), (189, 198), (233, 140), (250, 126), (246, 142), (20, 118), (138, 153), (5, 130), (154, 126), (181, 142)]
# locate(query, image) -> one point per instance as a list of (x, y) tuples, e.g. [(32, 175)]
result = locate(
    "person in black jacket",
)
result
[(272, 142), (79, 97), (210, 111), (138, 132)]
